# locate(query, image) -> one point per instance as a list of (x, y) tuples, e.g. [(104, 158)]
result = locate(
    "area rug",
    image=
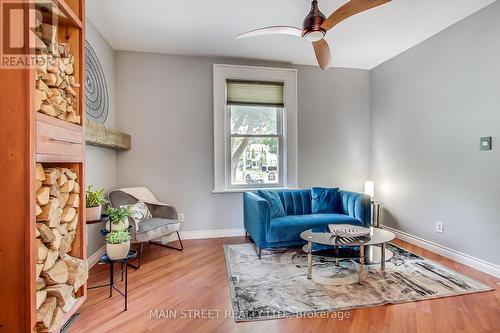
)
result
[(277, 287)]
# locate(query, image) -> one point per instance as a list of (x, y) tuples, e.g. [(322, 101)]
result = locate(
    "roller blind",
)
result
[(255, 93)]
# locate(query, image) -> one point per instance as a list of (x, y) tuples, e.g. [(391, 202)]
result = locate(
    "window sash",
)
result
[(281, 151)]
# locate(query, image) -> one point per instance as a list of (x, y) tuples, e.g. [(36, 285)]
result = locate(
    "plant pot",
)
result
[(93, 213), (117, 251), (123, 225)]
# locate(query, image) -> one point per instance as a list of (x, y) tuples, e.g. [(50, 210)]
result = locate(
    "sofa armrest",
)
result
[(357, 205), (256, 217)]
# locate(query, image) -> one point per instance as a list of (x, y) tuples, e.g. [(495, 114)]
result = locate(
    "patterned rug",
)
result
[(277, 287)]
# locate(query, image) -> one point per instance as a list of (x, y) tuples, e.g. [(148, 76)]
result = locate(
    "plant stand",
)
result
[(124, 265)]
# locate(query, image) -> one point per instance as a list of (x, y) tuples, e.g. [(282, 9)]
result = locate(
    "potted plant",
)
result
[(94, 201), (119, 218), (117, 244)]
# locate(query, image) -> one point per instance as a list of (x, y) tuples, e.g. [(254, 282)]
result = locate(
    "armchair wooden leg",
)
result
[(170, 247), (139, 258)]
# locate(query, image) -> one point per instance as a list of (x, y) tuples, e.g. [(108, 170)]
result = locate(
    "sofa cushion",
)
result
[(289, 228), (325, 200), (155, 228), (296, 202), (274, 203)]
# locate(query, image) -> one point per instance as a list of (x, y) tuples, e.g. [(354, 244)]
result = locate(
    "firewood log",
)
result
[(63, 228), (56, 243), (69, 304), (37, 233), (68, 214), (51, 259), (49, 210), (63, 199), (72, 117), (50, 110), (70, 173), (41, 65), (41, 251), (46, 234), (55, 219), (38, 270), (78, 271), (57, 320), (40, 96), (48, 33), (40, 297), (39, 44), (62, 179), (51, 175), (38, 210), (73, 224), (50, 79), (55, 191), (58, 274), (76, 188), (39, 173), (66, 242), (40, 284), (38, 184), (63, 293), (45, 312), (42, 195), (74, 200), (40, 85), (68, 186)]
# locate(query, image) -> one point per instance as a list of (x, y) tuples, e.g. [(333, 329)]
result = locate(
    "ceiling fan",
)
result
[(316, 25)]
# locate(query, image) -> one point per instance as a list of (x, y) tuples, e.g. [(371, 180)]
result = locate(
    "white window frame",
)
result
[(222, 131)]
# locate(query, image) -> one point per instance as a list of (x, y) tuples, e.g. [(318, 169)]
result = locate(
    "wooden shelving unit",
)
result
[(28, 137)]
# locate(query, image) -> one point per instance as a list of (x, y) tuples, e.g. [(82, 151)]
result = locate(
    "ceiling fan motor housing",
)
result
[(312, 30)]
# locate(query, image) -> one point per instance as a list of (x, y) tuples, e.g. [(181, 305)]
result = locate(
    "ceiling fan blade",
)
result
[(323, 55), (275, 30), (351, 8)]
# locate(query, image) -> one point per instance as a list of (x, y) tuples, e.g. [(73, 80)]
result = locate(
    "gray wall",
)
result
[(101, 163), (430, 105), (165, 102)]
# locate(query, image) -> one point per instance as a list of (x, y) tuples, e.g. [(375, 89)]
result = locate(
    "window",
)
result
[(254, 128), (256, 145)]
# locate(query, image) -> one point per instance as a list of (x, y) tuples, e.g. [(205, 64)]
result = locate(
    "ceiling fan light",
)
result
[(314, 36)]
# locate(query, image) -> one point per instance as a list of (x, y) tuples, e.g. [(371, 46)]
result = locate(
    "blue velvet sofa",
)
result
[(284, 231)]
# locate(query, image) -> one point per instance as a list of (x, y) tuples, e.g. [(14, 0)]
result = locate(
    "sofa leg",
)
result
[(259, 251), (171, 247)]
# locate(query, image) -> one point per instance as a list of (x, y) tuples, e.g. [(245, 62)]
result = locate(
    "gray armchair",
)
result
[(163, 223)]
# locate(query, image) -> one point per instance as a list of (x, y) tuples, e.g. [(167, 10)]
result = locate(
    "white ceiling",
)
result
[(202, 27)]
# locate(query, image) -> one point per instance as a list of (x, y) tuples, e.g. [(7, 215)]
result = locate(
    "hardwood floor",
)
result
[(195, 279)]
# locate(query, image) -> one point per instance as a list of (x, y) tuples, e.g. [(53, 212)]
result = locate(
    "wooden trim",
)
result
[(69, 13), (58, 122)]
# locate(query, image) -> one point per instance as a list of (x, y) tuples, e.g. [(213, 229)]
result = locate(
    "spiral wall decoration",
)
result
[(96, 90)]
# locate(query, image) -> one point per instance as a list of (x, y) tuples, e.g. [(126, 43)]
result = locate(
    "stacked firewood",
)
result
[(55, 93), (59, 275)]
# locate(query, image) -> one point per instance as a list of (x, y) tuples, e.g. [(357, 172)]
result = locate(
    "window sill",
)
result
[(242, 190)]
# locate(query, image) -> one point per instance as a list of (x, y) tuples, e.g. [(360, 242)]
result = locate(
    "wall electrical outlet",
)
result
[(440, 227), (181, 216)]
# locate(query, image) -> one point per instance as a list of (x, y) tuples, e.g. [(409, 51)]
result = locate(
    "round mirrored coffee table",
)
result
[(364, 249)]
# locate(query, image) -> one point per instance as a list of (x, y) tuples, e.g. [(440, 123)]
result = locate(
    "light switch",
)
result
[(486, 143)]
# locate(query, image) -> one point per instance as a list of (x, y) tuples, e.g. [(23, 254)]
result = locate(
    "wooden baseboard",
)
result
[(476, 263), (96, 257), (214, 233)]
